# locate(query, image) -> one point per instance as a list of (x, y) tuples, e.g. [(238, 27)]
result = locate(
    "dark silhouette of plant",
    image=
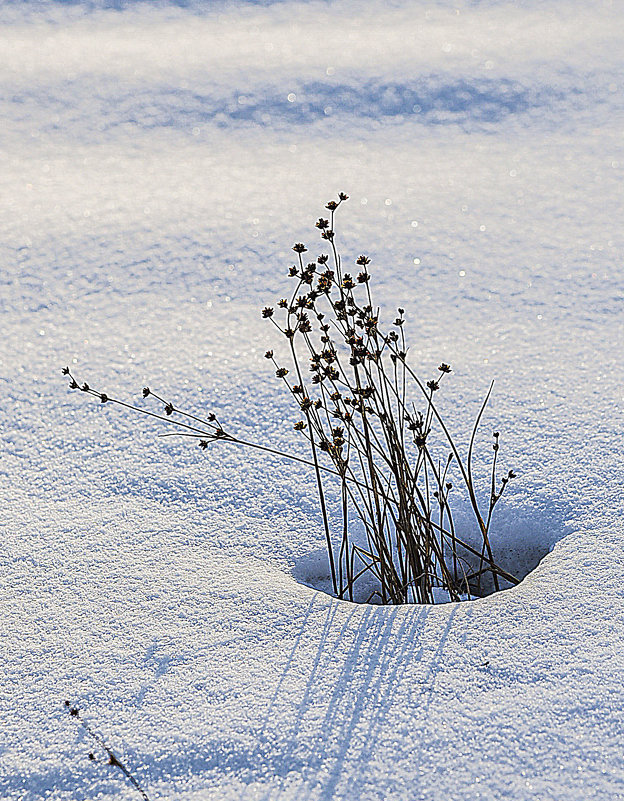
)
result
[(374, 429), (111, 757)]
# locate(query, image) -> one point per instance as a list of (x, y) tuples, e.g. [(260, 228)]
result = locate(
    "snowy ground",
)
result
[(157, 161)]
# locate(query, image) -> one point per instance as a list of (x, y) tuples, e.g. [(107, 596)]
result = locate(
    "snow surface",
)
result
[(157, 161)]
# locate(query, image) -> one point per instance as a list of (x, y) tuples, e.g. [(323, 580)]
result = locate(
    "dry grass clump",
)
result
[(392, 460)]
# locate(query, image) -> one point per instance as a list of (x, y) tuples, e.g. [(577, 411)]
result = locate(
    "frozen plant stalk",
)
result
[(394, 461)]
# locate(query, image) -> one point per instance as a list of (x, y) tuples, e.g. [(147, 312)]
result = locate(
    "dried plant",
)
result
[(375, 432), (111, 758)]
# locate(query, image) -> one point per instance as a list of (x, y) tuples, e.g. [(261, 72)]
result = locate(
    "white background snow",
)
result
[(157, 161)]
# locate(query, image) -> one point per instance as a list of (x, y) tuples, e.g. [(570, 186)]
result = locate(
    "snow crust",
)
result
[(157, 162)]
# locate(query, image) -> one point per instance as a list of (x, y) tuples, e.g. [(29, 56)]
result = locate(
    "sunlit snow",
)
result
[(157, 162)]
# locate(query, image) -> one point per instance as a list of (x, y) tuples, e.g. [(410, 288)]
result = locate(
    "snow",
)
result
[(154, 176)]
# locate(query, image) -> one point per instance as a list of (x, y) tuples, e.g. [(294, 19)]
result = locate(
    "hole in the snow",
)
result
[(519, 552)]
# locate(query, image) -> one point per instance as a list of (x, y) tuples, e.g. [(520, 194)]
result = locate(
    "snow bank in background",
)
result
[(155, 171)]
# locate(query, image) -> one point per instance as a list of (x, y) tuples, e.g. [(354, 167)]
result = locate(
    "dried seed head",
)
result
[(299, 248), (444, 368), (267, 312), (146, 391), (268, 354)]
